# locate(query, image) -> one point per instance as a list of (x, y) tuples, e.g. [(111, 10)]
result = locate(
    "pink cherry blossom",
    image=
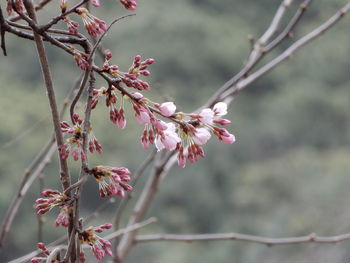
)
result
[(201, 136), (220, 109), (167, 139), (206, 116), (142, 116), (167, 108)]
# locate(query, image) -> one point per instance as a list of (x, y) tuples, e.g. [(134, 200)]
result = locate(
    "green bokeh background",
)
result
[(287, 174)]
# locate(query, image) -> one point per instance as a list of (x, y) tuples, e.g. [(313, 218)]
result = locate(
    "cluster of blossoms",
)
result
[(80, 58), (112, 180), (99, 246), (131, 78), (93, 25), (74, 144), (54, 198), (185, 134), (189, 132), (71, 25)]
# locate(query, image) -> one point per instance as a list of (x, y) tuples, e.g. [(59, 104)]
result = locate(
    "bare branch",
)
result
[(28, 180), (312, 238), (160, 168), (129, 195), (287, 53)]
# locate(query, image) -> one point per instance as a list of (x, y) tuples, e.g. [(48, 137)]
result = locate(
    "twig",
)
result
[(130, 228), (256, 53), (56, 19), (312, 238)]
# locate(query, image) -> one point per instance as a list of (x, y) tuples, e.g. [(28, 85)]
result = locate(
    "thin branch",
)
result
[(29, 178), (290, 27), (121, 206), (142, 205), (77, 96), (287, 53), (65, 178), (312, 238), (56, 19), (111, 236), (257, 52), (130, 228)]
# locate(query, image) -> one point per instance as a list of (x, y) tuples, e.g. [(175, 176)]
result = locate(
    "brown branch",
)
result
[(312, 238), (65, 178)]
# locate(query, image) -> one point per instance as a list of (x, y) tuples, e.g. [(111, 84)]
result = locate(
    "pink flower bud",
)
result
[(223, 122)]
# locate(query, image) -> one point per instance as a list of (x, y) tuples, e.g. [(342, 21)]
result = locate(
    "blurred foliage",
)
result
[(288, 172)]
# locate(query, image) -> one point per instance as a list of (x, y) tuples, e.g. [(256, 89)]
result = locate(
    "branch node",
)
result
[(312, 237)]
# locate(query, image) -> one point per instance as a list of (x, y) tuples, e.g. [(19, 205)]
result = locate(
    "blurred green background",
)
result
[(287, 174)]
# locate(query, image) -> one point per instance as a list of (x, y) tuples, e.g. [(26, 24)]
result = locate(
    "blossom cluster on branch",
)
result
[(163, 126)]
